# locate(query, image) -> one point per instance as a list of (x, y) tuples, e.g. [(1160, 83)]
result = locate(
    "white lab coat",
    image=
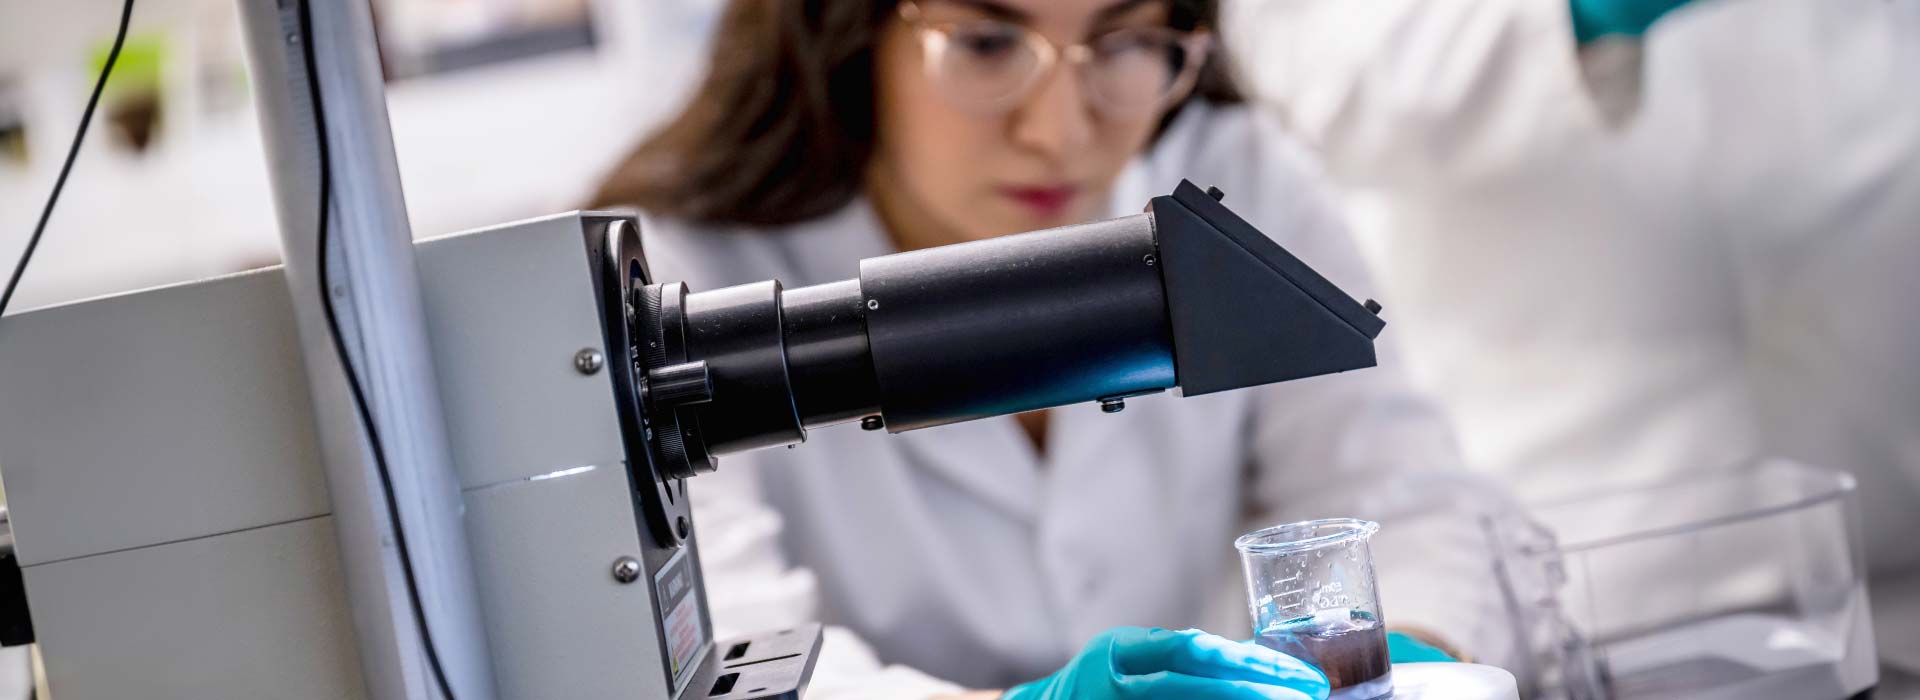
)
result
[(1641, 258), (962, 552)]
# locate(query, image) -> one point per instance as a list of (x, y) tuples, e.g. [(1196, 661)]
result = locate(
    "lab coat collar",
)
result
[(830, 248)]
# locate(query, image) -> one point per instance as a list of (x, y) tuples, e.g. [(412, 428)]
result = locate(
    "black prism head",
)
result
[(1245, 311)]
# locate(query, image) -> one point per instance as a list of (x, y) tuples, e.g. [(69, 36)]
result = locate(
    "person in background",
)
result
[(1006, 551), (1637, 238)]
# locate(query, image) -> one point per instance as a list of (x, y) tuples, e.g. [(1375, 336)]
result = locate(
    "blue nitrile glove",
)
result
[(1131, 663), (1593, 19), (1402, 649)]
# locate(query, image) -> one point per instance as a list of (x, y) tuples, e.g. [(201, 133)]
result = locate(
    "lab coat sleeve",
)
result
[(751, 587), (1398, 92), (1362, 443)]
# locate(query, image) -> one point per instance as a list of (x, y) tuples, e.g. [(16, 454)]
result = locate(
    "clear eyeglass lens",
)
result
[(986, 62), (1135, 71), (991, 63)]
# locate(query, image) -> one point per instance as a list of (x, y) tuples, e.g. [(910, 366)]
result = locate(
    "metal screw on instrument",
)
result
[(626, 570), (588, 360), (873, 304), (1113, 405), (872, 423)]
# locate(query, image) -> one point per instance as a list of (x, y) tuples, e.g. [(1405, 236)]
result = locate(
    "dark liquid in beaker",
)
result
[(1349, 646)]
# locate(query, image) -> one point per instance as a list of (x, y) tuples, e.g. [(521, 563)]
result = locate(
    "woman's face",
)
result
[(962, 156)]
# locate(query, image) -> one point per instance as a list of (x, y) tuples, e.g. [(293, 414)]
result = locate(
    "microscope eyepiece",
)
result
[(1186, 295)]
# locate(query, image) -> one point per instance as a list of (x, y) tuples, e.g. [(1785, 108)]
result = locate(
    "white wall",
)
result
[(478, 147)]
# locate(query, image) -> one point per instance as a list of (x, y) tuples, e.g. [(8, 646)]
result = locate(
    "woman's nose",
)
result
[(1056, 119)]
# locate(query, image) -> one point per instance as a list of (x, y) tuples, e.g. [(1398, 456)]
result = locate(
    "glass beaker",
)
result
[(1311, 589)]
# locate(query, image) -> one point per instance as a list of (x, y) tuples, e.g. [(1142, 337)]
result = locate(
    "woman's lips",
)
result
[(1046, 202)]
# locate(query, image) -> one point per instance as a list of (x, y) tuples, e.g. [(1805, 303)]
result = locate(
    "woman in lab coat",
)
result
[(989, 553)]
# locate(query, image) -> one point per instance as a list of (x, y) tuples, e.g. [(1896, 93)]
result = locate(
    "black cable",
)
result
[(86, 118), (346, 362), (333, 322)]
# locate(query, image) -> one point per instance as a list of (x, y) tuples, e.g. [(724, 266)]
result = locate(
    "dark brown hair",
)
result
[(783, 126)]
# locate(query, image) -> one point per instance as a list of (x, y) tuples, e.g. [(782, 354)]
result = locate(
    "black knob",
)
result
[(681, 384)]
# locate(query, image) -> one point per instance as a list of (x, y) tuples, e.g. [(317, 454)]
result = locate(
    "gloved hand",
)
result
[(1593, 19), (1405, 649), (1130, 663)]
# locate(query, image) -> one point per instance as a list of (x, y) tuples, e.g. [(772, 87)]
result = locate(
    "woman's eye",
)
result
[(1124, 42), (987, 43)]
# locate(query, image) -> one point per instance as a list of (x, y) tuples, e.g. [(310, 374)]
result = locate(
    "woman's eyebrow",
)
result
[(1119, 9), (1009, 13), (995, 10)]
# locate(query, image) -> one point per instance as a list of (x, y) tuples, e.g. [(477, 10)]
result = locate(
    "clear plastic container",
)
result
[(1744, 583), (1312, 592)]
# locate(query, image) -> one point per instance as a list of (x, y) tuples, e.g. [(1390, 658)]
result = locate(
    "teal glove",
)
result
[(1130, 663), (1402, 649), (1593, 19)]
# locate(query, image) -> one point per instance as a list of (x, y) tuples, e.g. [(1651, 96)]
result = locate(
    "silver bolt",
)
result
[(1113, 405), (1149, 260), (626, 570), (873, 304), (588, 360)]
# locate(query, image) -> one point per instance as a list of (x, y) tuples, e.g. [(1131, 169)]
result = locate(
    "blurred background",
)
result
[(501, 110)]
